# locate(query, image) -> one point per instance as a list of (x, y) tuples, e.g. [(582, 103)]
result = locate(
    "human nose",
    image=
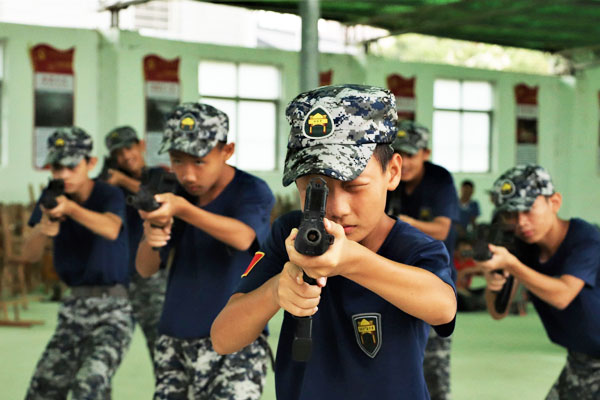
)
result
[(337, 205)]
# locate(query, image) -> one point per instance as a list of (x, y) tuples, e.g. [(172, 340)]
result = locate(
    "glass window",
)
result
[(249, 94), (462, 124)]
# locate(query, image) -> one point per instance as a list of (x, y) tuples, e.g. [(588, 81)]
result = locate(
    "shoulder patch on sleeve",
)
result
[(257, 257)]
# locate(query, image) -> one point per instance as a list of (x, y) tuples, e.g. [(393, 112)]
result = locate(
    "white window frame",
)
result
[(461, 111), (239, 142)]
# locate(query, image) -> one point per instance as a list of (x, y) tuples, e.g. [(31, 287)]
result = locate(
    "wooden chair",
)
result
[(13, 288)]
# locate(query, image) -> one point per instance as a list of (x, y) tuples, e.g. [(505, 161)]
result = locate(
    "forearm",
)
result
[(147, 260), (106, 225), (436, 229), (35, 245), (243, 318), (553, 291), (225, 229), (129, 183), (415, 291)]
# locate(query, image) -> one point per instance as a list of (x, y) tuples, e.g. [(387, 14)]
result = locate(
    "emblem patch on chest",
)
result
[(425, 214), (367, 329)]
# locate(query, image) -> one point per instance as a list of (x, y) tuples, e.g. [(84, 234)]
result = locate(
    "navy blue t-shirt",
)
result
[(435, 196), (83, 258), (577, 327), (205, 271), (339, 368)]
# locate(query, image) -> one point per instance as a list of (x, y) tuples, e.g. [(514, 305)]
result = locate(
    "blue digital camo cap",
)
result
[(519, 187), (68, 146), (334, 130), (120, 137), (195, 129), (411, 137)]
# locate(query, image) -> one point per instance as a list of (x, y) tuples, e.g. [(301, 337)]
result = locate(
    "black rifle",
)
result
[(55, 188), (312, 240), (153, 182), (108, 163), (500, 235)]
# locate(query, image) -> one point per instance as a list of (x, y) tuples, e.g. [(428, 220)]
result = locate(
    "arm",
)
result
[(437, 229), (38, 238), (414, 290), (558, 292), (107, 225), (147, 260), (225, 229), (117, 178)]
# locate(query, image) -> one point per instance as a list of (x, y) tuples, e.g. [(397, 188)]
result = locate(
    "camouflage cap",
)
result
[(68, 146), (517, 188), (334, 130), (411, 137), (120, 137), (195, 129)]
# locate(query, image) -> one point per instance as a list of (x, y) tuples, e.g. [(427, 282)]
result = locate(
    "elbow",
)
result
[(562, 303), (218, 339), (446, 312), (245, 243), (144, 272)]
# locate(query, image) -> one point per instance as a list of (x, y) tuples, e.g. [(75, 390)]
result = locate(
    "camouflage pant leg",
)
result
[(172, 376), (579, 379), (147, 296), (60, 360), (110, 330), (192, 369), (436, 366), (84, 351), (237, 376)]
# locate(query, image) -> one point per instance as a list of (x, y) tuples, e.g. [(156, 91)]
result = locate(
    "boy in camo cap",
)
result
[(90, 255), (560, 266), (127, 164), (379, 284), (209, 232), (426, 199)]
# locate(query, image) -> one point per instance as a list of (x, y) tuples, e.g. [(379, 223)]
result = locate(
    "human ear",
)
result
[(394, 171), (227, 151), (555, 202)]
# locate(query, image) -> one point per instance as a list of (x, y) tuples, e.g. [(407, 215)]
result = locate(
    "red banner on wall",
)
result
[(527, 112), (404, 90), (162, 94), (325, 78), (54, 86)]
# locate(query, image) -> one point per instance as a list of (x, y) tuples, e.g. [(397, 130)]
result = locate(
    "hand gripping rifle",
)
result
[(498, 234), (55, 188), (153, 182), (312, 240)]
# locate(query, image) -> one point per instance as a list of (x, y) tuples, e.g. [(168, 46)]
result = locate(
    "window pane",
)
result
[(229, 108), (446, 139), (259, 82), (446, 94), (256, 139), (217, 79), (476, 96), (475, 142)]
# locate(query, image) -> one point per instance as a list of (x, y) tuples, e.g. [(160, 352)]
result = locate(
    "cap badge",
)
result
[(401, 133), (318, 124), (60, 142), (187, 123), (507, 188)]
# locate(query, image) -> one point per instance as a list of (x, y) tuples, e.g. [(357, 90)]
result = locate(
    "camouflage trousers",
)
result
[(436, 366), (147, 296), (191, 369), (579, 379), (88, 345)]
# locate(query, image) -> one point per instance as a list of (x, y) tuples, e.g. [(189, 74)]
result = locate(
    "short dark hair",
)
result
[(383, 153), (468, 182)]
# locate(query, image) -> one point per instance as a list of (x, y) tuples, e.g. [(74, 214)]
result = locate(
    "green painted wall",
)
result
[(109, 92)]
